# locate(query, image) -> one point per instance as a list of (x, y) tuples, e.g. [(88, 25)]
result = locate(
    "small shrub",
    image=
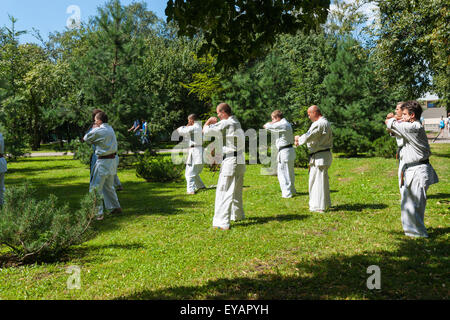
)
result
[(385, 146), (301, 157), (36, 229), (158, 168), (81, 151)]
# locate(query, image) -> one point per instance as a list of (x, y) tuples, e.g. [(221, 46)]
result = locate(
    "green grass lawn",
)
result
[(164, 247)]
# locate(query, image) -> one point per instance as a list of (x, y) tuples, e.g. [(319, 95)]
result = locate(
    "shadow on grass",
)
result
[(33, 171), (439, 196), (417, 269), (359, 207), (10, 260), (441, 155), (261, 220)]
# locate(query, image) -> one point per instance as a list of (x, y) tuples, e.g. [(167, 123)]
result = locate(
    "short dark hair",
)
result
[(224, 107), (102, 116), (277, 114), (413, 107), (94, 113)]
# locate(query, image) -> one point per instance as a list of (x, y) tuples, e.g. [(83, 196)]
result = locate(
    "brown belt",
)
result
[(109, 156)]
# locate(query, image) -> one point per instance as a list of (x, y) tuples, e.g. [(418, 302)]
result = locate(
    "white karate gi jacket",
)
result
[(319, 137), (104, 139), (194, 135), (194, 161), (285, 157)]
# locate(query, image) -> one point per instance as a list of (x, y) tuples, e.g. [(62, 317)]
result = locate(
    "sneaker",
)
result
[(116, 211), (119, 188), (220, 228), (99, 217)]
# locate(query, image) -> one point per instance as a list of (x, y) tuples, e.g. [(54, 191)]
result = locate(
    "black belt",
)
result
[(229, 155), (285, 147), (410, 165), (109, 156), (311, 154)]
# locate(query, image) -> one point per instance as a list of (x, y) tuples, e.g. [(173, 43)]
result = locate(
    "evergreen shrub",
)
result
[(81, 151), (36, 229), (384, 146), (158, 168)]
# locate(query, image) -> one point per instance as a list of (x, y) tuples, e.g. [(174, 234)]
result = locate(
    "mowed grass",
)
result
[(164, 247)]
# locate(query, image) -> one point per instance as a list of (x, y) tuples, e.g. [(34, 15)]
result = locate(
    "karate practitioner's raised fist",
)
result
[(212, 120)]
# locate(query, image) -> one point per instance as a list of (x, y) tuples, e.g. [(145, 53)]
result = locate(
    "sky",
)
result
[(51, 15)]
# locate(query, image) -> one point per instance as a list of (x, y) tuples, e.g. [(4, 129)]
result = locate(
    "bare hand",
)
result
[(297, 143)]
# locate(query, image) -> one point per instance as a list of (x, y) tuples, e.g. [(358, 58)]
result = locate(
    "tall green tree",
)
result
[(345, 104), (236, 31), (413, 46)]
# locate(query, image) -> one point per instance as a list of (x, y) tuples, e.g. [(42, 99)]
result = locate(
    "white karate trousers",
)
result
[(117, 182), (103, 180), (229, 204), (414, 201), (417, 179), (192, 175), (286, 173), (319, 188)]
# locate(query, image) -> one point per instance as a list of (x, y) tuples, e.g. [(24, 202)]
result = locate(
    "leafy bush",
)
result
[(38, 229), (385, 146), (301, 157), (81, 151), (158, 168), (14, 147)]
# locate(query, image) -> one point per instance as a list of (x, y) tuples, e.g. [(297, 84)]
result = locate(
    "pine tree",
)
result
[(344, 106)]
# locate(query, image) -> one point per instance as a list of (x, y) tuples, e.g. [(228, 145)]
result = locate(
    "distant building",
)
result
[(431, 111)]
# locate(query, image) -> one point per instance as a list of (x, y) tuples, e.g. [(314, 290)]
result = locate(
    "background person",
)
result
[(286, 153), (441, 128), (319, 140), (135, 127), (194, 162)]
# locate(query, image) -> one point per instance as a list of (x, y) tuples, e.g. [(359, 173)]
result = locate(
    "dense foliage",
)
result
[(36, 229), (133, 65)]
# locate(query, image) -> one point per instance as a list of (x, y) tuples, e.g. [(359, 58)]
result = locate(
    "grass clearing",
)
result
[(164, 247)]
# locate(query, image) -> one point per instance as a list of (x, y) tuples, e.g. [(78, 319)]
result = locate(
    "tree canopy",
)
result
[(236, 31)]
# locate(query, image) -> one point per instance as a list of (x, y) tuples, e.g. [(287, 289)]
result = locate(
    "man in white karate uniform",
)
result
[(3, 168), (103, 137), (194, 162), (228, 204), (417, 174), (286, 153), (319, 140), (117, 183), (399, 117)]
